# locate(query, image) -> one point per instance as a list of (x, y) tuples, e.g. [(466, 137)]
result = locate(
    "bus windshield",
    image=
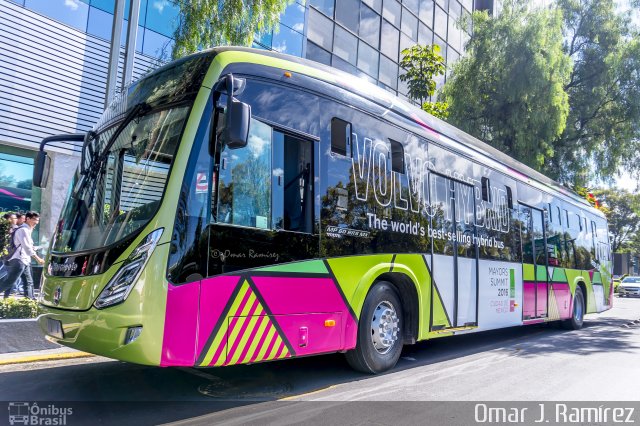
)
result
[(121, 190)]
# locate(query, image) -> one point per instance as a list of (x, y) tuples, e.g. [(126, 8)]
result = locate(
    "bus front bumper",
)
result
[(94, 332)]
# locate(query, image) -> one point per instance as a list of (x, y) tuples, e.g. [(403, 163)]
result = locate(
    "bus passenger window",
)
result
[(293, 183), (244, 192), (397, 157), (340, 137)]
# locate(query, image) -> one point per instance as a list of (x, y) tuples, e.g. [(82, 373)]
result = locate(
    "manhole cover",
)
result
[(245, 389)]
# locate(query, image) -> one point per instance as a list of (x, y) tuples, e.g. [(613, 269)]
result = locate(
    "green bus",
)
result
[(238, 206)]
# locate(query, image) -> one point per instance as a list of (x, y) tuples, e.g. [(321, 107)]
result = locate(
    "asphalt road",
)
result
[(601, 362)]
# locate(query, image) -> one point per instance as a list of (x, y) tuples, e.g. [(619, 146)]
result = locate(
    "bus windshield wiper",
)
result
[(90, 173), (97, 159)]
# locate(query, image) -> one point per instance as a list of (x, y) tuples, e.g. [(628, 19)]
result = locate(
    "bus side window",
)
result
[(244, 191), (293, 183), (340, 137), (397, 157)]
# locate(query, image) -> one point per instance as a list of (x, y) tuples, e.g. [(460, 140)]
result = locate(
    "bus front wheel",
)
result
[(379, 341), (577, 316)]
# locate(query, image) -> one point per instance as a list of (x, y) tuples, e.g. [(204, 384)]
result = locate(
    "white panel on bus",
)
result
[(442, 270), (466, 291), (500, 298), (598, 293)]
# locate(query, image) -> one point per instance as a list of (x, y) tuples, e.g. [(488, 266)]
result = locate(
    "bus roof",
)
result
[(424, 123)]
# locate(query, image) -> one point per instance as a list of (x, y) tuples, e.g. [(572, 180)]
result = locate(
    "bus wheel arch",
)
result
[(408, 294)]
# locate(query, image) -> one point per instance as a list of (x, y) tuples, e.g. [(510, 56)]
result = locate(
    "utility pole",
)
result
[(114, 52), (130, 45)]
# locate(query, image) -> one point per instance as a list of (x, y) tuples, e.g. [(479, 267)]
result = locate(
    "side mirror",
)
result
[(237, 125), (237, 115), (43, 162), (41, 170)]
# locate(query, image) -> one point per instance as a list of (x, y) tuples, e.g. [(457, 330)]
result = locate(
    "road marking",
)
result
[(49, 357), (294, 397)]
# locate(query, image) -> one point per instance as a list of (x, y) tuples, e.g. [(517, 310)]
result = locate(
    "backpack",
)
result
[(12, 248)]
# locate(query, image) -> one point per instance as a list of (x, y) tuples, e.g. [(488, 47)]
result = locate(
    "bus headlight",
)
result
[(123, 281)]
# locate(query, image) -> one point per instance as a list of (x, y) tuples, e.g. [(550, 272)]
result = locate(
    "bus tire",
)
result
[(577, 314), (380, 330)]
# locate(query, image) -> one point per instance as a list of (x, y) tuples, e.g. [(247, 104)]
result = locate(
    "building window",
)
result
[(440, 23), (369, 25), (388, 72), (318, 54), (293, 17), (347, 14), (320, 29), (392, 12), (368, 59), (70, 12), (389, 40), (324, 6), (288, 41), (426, 12), (345, 45), (409, 24)]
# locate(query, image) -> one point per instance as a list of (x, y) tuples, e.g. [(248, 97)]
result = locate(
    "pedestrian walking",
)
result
[(20, 261)]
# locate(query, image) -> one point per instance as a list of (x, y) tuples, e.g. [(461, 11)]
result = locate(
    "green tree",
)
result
[(209, 23), (621, 209), (604, 93), (423, 64), (509, 88)]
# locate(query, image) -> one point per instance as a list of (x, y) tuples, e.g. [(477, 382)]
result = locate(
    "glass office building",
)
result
[(156, 23), (366, 37), (54, 56)]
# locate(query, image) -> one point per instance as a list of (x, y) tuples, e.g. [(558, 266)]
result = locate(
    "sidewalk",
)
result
[(21, 341), (56, 354)]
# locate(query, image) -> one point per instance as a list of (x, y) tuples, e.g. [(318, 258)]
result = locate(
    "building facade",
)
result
[(54, 56)]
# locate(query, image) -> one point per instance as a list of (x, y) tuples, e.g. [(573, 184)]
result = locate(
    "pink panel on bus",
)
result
[(214, 297), (562, 294), (180, 323), (542, 299), (287, 295), (308, 334), (529, 300)]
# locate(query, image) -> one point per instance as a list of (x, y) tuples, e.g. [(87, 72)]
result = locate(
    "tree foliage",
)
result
[(423, 65), (509, 88), (593, 127), (604, 93), (622, 208), (209, 23)]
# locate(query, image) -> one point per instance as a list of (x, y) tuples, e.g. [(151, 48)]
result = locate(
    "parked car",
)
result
[(630, 286)]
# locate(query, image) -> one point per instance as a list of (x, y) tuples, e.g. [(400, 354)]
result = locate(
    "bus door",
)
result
[(535, 261), (454, 262)]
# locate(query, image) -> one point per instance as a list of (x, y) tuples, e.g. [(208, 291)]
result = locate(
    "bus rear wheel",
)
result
[(577, 316), (380, 331)]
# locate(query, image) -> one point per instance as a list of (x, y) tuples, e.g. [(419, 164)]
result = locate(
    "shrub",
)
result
[(18, 308)]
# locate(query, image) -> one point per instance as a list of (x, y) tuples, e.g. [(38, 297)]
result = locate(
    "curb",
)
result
[(46, 357)]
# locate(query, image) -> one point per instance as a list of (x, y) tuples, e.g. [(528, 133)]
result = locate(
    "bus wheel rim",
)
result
[(384, 327)]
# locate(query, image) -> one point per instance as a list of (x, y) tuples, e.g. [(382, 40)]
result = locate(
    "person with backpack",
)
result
[(20, 259), (7, 247)]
